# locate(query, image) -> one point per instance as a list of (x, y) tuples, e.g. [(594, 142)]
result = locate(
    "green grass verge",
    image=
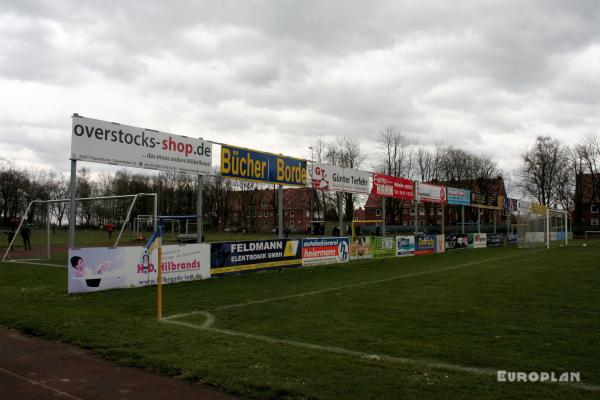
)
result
[(509, 309)]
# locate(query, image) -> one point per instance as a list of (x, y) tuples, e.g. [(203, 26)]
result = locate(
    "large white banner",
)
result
[(331, 177), (100, 268), (431, 193), (111, 143)]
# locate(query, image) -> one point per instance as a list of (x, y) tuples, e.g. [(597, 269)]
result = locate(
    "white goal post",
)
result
[(48, 203)]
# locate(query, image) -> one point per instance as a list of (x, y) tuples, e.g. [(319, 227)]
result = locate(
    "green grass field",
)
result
[(435, 327)]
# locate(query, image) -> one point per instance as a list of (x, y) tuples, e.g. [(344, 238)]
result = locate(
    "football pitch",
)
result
[(436, 327)]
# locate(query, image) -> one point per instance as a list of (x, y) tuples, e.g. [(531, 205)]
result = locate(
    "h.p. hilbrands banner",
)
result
[(263, 167), (106, 142), (332, 177), (392, 186)]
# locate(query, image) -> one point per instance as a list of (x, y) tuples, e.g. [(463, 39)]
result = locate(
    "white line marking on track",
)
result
[(37, 263), (207, 325), (36, 383)]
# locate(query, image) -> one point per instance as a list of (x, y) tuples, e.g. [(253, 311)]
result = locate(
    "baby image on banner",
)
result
[(360, 248)]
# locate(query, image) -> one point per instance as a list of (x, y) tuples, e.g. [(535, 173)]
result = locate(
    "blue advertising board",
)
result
[(263, 167), (459, 197), (330, 250), (424, 244), (253, 255)]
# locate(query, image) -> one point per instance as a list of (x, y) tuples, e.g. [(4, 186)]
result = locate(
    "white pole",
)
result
[(126, 221), (12, 242), (547, 228), (48, 223), (566, 228)]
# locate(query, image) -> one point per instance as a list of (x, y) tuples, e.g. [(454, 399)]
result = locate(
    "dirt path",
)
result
[(32, 368)]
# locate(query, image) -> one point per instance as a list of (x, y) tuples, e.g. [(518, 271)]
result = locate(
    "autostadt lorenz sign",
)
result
[(106, 142)]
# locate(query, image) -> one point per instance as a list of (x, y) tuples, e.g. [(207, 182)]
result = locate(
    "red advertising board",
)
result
[(391, 186)]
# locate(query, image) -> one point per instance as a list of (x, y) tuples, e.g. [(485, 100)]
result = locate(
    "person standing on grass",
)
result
[(26, 235), (110, 228), (11, 235)]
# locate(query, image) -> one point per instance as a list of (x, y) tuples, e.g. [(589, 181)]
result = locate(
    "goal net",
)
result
[(42, 233), (538, 226)]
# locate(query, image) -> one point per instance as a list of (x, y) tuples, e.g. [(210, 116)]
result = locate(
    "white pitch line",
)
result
[(57, 392), (354, 285), (37, 263), (210, 320)]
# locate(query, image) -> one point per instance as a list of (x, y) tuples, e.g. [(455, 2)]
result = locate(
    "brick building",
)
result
[(587, 200), (400, 212), (256, 210)]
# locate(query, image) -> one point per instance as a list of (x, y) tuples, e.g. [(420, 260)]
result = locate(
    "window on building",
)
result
[(421, 223), (253, 214), (432, 211), (412, 222), (412, 211), (378, 212), (292, 224), (404, 211), (421, 211), (263, 204), (265, 223), (440, 211), (404, 222), (439, 222), (307, 214), (595, 221), (291, 214), (595, 208)]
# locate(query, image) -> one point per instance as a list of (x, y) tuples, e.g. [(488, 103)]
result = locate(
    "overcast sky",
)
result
[(485, 76)]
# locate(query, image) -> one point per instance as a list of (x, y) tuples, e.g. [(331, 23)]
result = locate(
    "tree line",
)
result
[(547, 175)]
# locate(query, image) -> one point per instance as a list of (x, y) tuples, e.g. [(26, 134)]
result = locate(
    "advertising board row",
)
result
[(92, 269)]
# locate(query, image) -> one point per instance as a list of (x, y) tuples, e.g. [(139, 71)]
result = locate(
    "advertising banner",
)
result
[(391, 186), (494, 240), (253, 255), (456, 241), (405, 246), (106, 142), (424, 244), (325, 251), (101, 268), (360, 248), (477, 240), (428, 193), (332, 177), (383, 247), (440, 246), (489, 201), (459, 197), (262, 167)]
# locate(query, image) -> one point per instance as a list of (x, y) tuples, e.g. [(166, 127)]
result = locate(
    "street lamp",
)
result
[(312, 162)]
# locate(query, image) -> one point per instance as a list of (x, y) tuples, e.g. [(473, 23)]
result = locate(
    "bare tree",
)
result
[(545, 171)]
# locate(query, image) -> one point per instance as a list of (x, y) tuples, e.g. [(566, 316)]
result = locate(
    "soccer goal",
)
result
[(539, 225), (100, 222)]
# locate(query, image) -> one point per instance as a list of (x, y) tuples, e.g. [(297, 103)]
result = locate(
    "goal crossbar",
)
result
[(48, 202)]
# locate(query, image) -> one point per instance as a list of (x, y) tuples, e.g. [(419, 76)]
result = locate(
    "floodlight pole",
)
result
[(383, 215), (340, 214), (416, 216), (443, 217), (478, 220), (72, 210), (199, 212), (49, 217), (462, 212), (280, 211)]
